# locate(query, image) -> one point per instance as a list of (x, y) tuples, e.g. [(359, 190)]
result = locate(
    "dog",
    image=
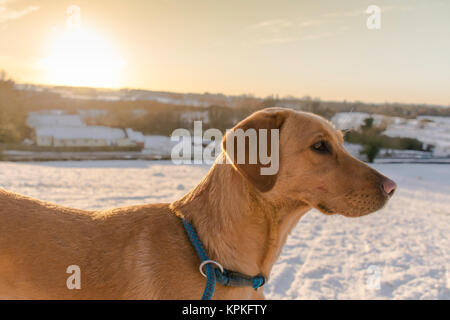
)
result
[(242, 217)]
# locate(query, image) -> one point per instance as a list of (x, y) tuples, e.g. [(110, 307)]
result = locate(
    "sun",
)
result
[(80, 57)]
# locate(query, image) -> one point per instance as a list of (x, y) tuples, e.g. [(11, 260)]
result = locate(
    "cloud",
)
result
[(282, 30), (362, 11), (345, 14), (7, 14), (274, 25), (274, 31), (315, 36), (310, 23), (277, 40)]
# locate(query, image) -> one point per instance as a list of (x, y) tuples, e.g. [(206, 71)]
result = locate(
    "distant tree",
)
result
[(220, 117), (368, 124), (5, 81), (371, 150), (315, 107), (3, 75), (269, 102), (9, 133), (13, 114)]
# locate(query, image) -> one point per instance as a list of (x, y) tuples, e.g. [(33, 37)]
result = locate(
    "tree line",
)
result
[(162, 118)]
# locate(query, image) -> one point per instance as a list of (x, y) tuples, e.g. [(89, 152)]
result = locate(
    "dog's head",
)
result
[(313, 167)]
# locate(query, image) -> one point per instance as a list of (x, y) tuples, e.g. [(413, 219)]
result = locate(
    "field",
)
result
[(400, 252)]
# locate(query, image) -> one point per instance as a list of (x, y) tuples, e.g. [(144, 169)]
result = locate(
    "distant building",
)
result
[(136, 137), (87, 136), (158, 145), (55, 129), (52, 119)]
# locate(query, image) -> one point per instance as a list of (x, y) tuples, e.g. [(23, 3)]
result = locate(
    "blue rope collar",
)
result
[(221, 275)]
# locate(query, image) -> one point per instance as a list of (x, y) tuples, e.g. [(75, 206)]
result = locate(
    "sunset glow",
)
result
[(332, 50), (80, 57)]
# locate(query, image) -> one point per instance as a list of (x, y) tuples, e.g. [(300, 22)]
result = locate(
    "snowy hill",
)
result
[(430, 130), (405, 246)]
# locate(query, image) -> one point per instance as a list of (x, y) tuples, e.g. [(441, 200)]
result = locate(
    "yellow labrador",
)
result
[(241, 216)]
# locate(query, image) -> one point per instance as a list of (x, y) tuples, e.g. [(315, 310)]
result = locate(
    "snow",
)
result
[(158, 145), (354, 120), (36, 120), (431, 130), (59, 126), (135, 135), (406, 245), (87, 132), (354, 149)]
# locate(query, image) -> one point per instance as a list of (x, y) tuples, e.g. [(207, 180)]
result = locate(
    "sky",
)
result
[(323, 49)]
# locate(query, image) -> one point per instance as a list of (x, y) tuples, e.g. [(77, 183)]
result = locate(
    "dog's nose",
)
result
[(389, 186)]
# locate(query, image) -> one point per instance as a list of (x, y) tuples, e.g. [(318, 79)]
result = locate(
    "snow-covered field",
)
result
[(400, 252), (430, 130)]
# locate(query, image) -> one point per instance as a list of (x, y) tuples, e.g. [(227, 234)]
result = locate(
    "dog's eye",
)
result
[(320, 146)]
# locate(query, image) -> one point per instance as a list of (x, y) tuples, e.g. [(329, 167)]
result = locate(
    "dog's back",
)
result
[(112, 248)]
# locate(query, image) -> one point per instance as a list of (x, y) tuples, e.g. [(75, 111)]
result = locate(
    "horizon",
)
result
[(323, 49), (288, 97)]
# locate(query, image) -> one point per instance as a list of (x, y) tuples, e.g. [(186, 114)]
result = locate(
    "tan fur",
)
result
[(142, 252)]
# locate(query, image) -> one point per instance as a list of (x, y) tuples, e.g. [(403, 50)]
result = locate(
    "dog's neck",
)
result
[(237, 226)]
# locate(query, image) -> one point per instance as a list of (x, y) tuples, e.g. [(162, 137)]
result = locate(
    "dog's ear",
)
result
[(268, 119)]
